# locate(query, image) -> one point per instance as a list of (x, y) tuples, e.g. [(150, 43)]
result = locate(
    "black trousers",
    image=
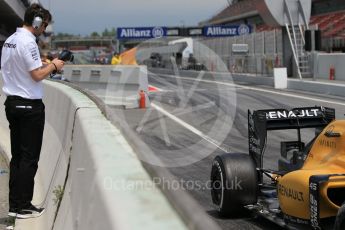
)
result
[(26, 122)]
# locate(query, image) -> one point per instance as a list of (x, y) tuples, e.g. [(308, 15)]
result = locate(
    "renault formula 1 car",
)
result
[(308, 189)]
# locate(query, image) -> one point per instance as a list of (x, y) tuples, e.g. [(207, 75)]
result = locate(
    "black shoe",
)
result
[(9, 227), (12, 212), (30, 212)]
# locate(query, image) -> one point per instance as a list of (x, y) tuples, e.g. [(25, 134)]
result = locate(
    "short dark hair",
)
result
[(36, 10)]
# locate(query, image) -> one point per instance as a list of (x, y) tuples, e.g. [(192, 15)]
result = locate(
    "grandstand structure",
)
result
[(280, 44), (326, 15), (83, 43), (11, 16)]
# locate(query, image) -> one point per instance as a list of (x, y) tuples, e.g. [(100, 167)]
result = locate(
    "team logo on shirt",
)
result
[(34, 54), (10, 45)]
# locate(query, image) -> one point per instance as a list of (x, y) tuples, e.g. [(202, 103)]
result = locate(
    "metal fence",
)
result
[(265, 52)]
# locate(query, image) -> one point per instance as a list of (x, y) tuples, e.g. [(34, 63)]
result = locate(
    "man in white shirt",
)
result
[(22, 72)]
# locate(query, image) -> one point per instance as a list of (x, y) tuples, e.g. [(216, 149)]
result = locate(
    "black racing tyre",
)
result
[(340, 219), (234, 182)]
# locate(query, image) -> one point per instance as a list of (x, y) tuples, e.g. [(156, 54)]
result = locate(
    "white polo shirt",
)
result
[(20, 55)]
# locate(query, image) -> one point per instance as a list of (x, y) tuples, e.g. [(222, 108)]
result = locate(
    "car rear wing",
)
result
[(259, 121)]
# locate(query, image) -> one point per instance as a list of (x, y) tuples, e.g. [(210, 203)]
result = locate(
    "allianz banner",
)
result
[(141, 32), (227, 31)]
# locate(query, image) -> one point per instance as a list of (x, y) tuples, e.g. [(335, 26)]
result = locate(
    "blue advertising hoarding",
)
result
[(207, 31), (226, 31), (141, 32)]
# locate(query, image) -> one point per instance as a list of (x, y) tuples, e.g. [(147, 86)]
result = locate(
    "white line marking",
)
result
[(261, 90), (207, 138), (188, 126)]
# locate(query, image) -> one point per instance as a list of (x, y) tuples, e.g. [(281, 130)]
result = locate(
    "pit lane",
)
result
[(193, 119)]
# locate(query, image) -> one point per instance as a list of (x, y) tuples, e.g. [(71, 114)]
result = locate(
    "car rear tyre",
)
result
[(234, 182), (340, 219)]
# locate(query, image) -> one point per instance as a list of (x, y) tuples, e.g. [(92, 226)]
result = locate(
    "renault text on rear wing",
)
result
[(260, 121), (304, 117)]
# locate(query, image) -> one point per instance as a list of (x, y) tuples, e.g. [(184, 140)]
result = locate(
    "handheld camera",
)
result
[(66, 55)]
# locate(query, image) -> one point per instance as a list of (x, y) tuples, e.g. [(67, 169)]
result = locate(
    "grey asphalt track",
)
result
[(236, 139), (193, 119)]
